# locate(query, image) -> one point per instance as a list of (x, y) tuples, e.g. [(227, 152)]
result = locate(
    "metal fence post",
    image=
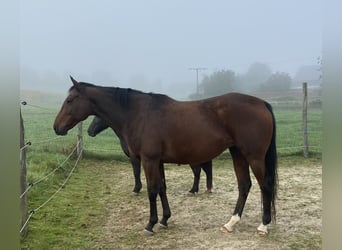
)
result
[(23, 184), (305, 120), (79, 140)]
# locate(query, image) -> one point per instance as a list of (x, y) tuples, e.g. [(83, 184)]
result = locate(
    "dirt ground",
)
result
[(196, 219)]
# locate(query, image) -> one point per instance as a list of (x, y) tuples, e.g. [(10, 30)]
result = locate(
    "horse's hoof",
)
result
[(262, 233), (224, 229), (208, 191), (262, 230), (148, 233), (162, 226), (192, 193), (136, 190), (135, 193)]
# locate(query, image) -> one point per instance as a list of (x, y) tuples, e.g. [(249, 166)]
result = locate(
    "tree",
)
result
[(218, 83), (278, 81), (256, 75)]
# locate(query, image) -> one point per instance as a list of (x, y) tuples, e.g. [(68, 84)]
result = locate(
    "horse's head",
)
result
[(96, 126), (76, 108)]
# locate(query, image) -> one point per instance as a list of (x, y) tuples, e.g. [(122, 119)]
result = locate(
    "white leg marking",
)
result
[(229, 226), (262, 229)]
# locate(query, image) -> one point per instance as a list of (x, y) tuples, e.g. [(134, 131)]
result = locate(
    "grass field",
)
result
[(96, 211)]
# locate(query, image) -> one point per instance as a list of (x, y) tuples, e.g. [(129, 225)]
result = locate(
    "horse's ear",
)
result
[(73, 81)]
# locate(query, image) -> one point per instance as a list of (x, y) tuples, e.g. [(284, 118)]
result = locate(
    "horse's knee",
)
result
[(248, 185)]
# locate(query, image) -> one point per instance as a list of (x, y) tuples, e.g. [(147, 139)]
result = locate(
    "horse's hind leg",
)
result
[(208, 169), (163, 198), (196, 169), (258, 168), (241, 168)]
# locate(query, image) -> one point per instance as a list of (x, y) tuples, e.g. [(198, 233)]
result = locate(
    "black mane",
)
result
[(122, 95)]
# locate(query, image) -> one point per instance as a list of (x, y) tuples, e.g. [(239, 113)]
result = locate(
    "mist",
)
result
[(151, 45)]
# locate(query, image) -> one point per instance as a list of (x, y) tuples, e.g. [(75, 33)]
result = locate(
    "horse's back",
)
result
[(198, 131), (221, 111)]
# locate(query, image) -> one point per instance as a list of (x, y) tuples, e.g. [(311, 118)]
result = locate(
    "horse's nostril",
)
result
[(91, 133), (56, 130)]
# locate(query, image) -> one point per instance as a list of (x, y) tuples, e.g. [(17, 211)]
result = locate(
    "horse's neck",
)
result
[(117, 115), (109, 110)]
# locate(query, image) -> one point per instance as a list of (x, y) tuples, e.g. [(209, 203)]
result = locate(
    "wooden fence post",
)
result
[(23, 184), (305, 120), (79, 140)]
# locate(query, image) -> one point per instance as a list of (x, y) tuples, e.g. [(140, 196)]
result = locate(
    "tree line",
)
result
[(259, 77)]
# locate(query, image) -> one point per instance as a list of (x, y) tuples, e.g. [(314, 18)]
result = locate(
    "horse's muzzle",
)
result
[(59, 131), (91, 133)]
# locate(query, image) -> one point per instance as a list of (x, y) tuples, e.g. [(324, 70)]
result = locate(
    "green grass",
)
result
[(290, 132), (54, 225), (63, 222)]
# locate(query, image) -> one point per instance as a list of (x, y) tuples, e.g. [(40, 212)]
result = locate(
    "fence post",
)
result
[(79, 140), (305, 120), (23, 184)]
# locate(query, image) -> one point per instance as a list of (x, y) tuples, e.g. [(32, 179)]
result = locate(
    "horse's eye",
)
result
[(69, 100)]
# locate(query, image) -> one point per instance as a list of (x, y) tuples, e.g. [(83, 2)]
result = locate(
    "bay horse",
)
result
[(98, 125), (159, 129)]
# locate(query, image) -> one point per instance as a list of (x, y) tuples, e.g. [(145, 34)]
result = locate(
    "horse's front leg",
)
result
[(163, 198), (153, 179), (136, 165), (152, 196)]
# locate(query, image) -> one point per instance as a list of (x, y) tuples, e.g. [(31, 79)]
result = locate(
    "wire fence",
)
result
[(31, 184), (26, 187), (298, 115), (51, 197)]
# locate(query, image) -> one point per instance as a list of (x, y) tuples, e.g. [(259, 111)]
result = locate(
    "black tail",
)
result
[(271, 176)]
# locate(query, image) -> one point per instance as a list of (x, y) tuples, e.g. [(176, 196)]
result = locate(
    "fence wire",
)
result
[(30, 185), (52, 196), (46, 176), (25, 103)]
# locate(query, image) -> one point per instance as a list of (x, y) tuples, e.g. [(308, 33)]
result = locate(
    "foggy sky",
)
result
[(156, 42)]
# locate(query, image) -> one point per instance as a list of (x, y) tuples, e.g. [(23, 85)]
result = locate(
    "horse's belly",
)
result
[(197, 151)]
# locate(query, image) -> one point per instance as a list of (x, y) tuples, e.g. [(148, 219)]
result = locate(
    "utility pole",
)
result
[(197, 84)]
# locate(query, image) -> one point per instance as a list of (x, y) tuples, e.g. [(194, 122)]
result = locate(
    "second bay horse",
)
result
[(98, 125)]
